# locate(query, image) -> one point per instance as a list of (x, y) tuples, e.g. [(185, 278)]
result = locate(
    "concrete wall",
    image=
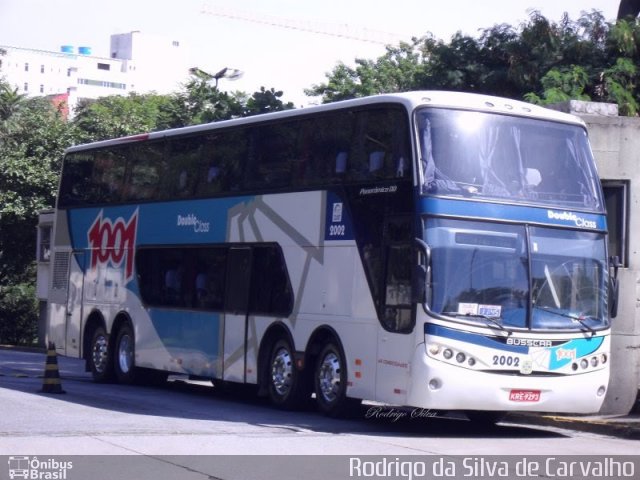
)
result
[(616, 145)]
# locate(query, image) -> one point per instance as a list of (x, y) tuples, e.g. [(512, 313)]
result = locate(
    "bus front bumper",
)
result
[(439, 385)]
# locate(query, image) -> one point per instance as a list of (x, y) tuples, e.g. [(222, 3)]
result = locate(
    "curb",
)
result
[(621, 427)]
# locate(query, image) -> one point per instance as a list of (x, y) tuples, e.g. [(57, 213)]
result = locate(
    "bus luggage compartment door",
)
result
[(236, 319)]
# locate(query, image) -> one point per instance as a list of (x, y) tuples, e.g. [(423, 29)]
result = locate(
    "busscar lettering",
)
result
[(528, 342), (112, 242)]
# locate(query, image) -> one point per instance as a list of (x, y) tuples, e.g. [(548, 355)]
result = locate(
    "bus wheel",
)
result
[(100, 360), (124, 360), (331, 383), (285, 381)]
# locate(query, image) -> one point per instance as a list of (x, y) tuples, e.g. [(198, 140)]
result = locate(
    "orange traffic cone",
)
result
[(51, 382)]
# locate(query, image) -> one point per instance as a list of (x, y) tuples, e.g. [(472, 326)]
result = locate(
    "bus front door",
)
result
[(236, 319)]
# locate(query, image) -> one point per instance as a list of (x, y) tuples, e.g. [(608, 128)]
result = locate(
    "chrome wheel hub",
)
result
[(99, 354), (125, 354), (329, 377), (282, 371)]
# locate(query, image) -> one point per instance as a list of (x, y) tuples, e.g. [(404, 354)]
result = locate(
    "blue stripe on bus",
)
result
[(188, 222), (514, 213), (572, 350), (559, 355), (473, 338), (184, 330)]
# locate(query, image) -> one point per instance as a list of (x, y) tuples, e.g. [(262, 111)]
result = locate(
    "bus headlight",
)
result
[(460, 357), (434, 349), (435, 384), (447, 354)]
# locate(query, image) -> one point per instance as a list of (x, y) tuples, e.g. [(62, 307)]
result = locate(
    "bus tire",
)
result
[(100, 362), (124, 355), (330, 383), (285, 381)]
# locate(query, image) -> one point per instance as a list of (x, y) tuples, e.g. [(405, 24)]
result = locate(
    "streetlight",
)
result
[(226, 72)]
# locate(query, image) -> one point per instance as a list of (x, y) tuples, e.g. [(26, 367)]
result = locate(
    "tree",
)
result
[(399, 69), (10, 101), (31, 147), (33, 135), (119, 116), (265, 101), (540, 60)]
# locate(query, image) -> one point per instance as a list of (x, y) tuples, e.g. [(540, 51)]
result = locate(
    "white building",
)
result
[(151, 62), (138, 62)]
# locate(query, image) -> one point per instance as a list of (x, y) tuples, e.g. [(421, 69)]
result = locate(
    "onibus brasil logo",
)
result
[(38, 469), (112, 242)]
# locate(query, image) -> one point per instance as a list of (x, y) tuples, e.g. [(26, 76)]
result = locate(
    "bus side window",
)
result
[(184, 160), (380, 147), (76, 187), (222, 159), (146, 168), (108, 175), (271, 291), (210, 278), (272, 150)]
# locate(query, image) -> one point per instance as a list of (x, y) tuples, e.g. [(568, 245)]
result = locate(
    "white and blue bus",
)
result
[(430, 249)]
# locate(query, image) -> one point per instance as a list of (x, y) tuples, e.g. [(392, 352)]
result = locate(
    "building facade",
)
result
[(138, 62)]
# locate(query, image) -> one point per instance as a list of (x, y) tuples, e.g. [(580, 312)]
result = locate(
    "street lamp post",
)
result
[(226, 72)]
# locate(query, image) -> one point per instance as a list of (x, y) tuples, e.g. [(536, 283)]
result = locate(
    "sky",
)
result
[(288, 45)]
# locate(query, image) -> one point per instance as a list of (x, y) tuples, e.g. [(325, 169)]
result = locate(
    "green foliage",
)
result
[(31, 145), (116, 116), (562, 84), (33, 136), (540, 60), (9, 101), (620, 85), (265, 101), (18, 314)]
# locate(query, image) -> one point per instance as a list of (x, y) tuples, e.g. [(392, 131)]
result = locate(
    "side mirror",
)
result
[(614, 286), (422, 275)]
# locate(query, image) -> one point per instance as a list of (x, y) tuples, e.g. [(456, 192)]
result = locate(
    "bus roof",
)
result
[(411, 100)]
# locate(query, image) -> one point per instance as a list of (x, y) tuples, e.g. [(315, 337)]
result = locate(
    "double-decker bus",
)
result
[(430, 249)]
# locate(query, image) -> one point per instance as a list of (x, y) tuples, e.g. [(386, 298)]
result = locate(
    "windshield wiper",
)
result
[(491, 321), (582, 320)]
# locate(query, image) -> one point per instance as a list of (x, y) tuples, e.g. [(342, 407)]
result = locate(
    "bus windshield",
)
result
[(517, 276), (507, 158)]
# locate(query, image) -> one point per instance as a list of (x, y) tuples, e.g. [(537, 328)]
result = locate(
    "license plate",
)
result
[(524, 395)]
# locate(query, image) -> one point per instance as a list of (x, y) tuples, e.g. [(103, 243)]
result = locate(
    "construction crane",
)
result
[(345, 31)]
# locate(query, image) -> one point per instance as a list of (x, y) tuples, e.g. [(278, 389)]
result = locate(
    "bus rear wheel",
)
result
[(330, 382), (100, 356), (124, 355), (286, 386)]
